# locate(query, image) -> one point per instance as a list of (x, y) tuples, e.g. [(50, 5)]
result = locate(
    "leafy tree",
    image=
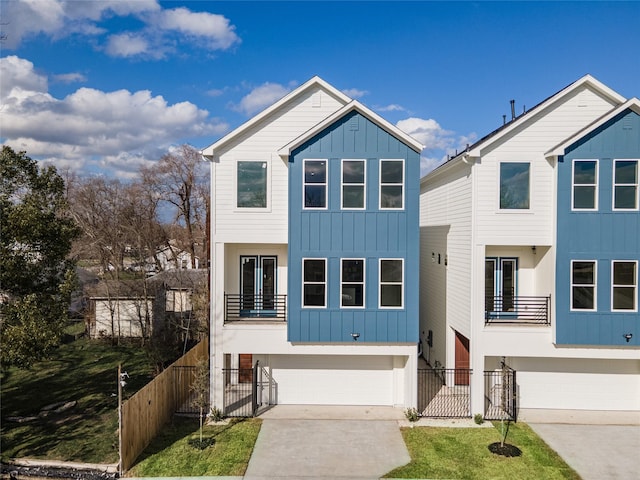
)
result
[(36, 279)]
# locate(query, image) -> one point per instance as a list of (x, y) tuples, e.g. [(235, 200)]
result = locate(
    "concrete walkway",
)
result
[(327, 442), (596, 452)]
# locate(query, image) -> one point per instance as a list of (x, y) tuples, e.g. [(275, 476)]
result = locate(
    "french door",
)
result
[(500, 283), (258, 284)]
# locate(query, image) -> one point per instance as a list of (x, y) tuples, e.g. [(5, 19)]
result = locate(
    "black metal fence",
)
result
[(247, 391), (255, 307), (511, 309), (444, 392), (500, 394)]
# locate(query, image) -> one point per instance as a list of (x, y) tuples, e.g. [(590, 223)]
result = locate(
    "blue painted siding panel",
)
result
[(370, 233), (604, 236)]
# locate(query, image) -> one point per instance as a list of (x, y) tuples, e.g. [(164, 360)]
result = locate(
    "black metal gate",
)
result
[(247, 391), (500, 394), (444, 392)]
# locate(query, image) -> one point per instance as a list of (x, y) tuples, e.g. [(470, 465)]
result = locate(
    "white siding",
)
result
[(261, 143), (126, 317)]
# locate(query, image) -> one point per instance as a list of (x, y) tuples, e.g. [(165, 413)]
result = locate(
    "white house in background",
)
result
[(314, 236), (529, 256), (171, 257)]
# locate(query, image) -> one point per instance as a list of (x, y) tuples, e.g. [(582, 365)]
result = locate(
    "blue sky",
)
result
[(107, 86)]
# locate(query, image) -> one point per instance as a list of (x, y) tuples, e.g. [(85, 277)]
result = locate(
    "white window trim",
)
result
[(595, 286), (325, 283), (326, 184), (364, 281), (235, 187), (614, 184), (390, 283), (364, 184), (635, 286), (380, 184), (596, 185), (520, 211)]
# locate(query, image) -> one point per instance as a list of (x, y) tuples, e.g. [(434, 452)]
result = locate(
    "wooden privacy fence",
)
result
[(146, 412)]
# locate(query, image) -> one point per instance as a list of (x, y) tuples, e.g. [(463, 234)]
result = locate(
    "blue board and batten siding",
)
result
[(337, 234), (603, 235)]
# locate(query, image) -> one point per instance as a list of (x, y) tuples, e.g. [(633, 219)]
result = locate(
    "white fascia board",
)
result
[(209, 152), (632, 104), (587, 80), (285, 151)]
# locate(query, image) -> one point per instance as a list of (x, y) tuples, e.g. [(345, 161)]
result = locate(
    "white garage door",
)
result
[(333, 380)]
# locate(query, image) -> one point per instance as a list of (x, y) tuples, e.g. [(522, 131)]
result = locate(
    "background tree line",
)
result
[(50, 223)]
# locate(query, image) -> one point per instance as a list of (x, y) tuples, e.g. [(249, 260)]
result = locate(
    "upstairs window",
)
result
[(584, 191), (251, 184), (391, 184), (314, 282), (315, 184), (583, 285), (391, 283), (624, 286), (352, 282), (514, 186), (353, 184), (625, 184)]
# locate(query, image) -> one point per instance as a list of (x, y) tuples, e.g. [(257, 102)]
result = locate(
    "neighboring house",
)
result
[(135, 308), (529, 256), (170, 257), (314, 239)]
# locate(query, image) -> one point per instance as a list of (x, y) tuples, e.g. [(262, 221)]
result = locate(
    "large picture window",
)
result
[(625, 185), (583, 285), (251, 184), (624, 286), (352, 282), (514, 186), (314, 282), (584, 191), (315, 184), (391, 283), (353, 184), (391, 184)]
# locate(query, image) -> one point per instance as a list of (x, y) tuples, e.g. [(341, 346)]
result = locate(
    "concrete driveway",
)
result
[(327, 442), (596, 452)]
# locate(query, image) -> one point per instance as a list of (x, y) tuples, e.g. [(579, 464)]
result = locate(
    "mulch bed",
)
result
[(505, 449)]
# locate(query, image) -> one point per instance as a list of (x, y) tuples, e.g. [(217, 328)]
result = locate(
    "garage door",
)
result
[(333, 380)]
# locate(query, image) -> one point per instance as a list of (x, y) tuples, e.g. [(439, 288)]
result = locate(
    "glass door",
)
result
[(248, 270), (500, 286), (258, 285)]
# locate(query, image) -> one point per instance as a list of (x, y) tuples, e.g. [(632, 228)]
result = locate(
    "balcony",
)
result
[(255, 308), (514, 310)]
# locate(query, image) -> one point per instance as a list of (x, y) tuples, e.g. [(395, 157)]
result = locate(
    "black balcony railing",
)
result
[(517, 310), (240, 307)]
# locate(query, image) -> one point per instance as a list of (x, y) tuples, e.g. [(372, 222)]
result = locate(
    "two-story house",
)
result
[(314, 241), (530, 242)]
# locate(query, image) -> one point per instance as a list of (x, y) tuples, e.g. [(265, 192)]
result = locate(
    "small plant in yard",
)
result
[(412, 414), (478, 419), (200, 387), (216, 415)]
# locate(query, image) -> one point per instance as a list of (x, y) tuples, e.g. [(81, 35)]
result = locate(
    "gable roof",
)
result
[(473, 151), (354, 105), (315, 82), (632, 104)]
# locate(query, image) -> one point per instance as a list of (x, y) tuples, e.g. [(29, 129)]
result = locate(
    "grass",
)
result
[(170, 453), (81, 370), (462, 453)]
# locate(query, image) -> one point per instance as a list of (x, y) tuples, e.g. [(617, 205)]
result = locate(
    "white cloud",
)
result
[(392, 108), (214, 29), (428, 132), (355, 93), (91, 128), (73, 77), (427, 164), (128, 45), (261, 97)]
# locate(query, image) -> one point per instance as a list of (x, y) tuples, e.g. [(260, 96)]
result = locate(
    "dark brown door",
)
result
[(246, 368), (462, 360)]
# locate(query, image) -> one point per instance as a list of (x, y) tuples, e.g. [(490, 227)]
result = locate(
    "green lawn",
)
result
[(170, 453), (462, 453), (84, 371)]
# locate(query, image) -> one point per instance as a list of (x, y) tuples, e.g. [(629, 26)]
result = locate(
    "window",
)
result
[(514, 186), (314, 282), (624, 285), (352, 282), (391, 282), (625, 184), (584, 192), (252, 185), (391, 184), (315, 184), (353, 184), (583, 285)]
